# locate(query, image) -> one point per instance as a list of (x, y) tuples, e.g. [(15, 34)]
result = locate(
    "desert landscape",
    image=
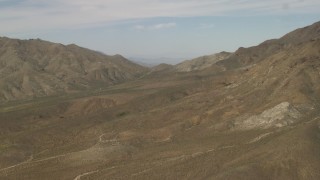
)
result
[(67, 112)]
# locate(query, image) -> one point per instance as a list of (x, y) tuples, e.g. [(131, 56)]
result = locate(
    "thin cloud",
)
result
[(139, 27), (155, 26), (31, 15), (163, 26), (206, 26)]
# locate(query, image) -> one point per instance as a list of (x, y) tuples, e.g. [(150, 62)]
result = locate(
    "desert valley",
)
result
[(67, 112)]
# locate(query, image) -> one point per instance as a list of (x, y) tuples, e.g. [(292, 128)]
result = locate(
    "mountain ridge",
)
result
[(36, 68), (202, 62), (249, 56)]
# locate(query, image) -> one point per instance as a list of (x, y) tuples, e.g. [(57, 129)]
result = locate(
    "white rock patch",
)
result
[(281, 115)]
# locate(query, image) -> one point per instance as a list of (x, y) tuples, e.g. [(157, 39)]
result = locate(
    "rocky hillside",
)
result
[(201, 63), (252, 55), (32, 68)]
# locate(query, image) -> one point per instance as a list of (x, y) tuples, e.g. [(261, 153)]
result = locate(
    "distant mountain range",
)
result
[(33, 68), (201, 63), (150, 62)]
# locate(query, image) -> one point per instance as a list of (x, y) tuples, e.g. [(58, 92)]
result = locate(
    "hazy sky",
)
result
[(156, 28)]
